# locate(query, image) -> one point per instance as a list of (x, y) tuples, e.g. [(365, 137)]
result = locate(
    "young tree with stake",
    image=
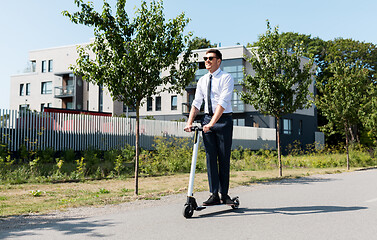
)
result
[(281, 84), (130, 55)]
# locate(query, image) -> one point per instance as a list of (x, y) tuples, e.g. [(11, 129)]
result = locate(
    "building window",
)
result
[(173, 102), (201, 71), (21, 89), (33, 65), (127, 109), (239, 122), (158, 103), (46, 87), (27, 89), (42, 107), (24, 107), (149, 103), (232, 66), (49, 104), (87, 105), (69, 105), (237, 103), (300, 128), (44, 67), (287, 126), (235, 68), (100, 99), (50, 63)]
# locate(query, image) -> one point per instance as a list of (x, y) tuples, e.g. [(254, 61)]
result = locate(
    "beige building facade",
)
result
[(49, 82)]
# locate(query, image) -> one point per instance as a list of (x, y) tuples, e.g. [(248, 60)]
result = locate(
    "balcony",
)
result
[(65, 91), (191, 86), (237, 105), (186, 108)]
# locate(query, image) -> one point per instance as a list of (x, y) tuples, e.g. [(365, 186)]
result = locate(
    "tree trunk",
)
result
[(351, 133), (278, 143), (137, 146)]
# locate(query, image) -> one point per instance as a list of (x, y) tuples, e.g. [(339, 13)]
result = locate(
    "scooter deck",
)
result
[(200, 208), (234, 205)]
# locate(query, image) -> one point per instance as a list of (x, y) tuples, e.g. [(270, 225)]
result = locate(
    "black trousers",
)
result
[(218, 145)]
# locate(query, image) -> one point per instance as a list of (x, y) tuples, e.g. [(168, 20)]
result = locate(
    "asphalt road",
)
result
[(337, 206)]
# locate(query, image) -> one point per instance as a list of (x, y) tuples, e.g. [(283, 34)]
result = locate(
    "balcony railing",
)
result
[(237, 105), (65, 91), (186, 107)]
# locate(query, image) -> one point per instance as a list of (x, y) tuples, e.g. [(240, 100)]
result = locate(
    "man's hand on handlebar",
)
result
[(207, 128), (188, 128)]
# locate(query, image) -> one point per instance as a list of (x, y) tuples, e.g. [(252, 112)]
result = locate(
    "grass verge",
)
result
[(23, 199)]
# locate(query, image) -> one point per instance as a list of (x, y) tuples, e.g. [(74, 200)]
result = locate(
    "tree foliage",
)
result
[(368, 113), (129, 55), (281, 82), (354, 55), (201, 43), (342, 96), (312, 47), (347, 52)]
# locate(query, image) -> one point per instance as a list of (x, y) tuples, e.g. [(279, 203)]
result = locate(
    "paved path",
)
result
[(338, 206)]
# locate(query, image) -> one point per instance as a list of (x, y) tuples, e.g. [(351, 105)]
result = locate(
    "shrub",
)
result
[(171, 155), (4, 152), (81, 167), (92, 159), (5, 165), (237, 154), (25, 155), (46, 156), (69, 155)]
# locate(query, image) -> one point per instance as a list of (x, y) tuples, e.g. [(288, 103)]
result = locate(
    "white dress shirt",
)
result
[(221, 91)]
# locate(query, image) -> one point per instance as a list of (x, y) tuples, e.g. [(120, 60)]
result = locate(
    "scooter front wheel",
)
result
[(188, 211), (236, 203)]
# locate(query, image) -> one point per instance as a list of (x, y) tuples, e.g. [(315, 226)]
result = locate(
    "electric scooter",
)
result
[(191, 204)]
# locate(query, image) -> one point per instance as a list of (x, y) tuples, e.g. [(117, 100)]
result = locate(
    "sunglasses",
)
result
[(208, 58)]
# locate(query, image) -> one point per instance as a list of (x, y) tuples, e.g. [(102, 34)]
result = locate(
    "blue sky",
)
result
[(30, 25)]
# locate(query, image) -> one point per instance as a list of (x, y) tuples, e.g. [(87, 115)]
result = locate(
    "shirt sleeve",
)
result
[(226, 92), (199, 95)]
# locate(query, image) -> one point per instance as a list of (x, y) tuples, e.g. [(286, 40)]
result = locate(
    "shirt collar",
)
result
[(215, 73)]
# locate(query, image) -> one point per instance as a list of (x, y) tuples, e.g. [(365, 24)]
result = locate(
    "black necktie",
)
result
[(209, 95)]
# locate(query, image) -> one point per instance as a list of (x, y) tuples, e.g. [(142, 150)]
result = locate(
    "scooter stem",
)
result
[(193, 163)]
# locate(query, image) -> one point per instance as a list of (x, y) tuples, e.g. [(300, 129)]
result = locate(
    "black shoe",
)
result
[(212, 200), (226, 200)]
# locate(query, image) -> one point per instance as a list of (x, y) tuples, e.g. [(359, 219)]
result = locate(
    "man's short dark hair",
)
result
[(217, 52)]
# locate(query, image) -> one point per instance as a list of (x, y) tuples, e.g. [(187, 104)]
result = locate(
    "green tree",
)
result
[(369, 114), (342, 96), (350, 53), (280, 85), (312, 47), (130, 55), (200, 43)]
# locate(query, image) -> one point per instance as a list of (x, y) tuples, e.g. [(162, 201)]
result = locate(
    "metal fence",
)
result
[(61, 131)]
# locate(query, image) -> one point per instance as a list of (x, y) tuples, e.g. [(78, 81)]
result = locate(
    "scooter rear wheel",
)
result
[(188, 211)]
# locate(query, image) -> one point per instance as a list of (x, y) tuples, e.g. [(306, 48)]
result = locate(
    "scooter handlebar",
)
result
[(193, 128)]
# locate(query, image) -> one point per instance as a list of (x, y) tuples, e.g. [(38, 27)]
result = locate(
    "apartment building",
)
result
[(300, 126), (50, 83)]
